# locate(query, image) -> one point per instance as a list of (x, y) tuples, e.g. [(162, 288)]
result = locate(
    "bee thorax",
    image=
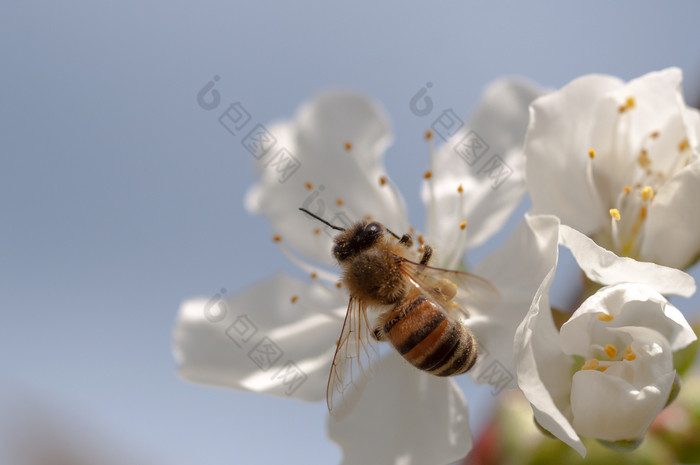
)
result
[(375, 277)]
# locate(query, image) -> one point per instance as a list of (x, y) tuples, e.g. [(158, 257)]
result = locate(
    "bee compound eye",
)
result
[(373, 228)]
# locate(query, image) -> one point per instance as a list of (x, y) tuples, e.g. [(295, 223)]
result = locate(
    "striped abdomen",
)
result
[(423, 334)]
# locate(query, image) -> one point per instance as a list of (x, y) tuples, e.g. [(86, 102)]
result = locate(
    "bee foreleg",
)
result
[(427, 253), (406, 240)]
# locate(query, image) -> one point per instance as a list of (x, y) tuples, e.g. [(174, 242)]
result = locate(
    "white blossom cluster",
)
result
[(613, 173)]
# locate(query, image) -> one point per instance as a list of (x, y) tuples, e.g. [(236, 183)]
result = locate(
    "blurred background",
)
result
[(121, 197)]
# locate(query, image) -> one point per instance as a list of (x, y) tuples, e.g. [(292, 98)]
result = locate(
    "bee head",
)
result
[(354, 240)]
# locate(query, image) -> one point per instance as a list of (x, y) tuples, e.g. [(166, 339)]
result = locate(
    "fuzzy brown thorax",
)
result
[(370, 265)]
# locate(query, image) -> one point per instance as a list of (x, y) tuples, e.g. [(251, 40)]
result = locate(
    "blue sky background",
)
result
[(121, 197)]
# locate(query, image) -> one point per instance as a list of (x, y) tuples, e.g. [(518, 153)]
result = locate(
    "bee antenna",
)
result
[(338, 228), (392, 233)]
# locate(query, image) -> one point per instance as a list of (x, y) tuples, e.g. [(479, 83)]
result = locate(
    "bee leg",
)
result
[(378, 333), (427, 253), (406, 240)]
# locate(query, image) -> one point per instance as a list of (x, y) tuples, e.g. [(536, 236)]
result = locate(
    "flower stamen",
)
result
[(591, 364), (629, 103), (610, 351), (605, 317), (643, 159), (307, 267)]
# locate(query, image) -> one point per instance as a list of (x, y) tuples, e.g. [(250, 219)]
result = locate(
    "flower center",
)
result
[(630, 207), (609, 356)]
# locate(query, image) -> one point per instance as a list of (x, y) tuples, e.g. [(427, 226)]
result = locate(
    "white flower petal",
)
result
[(486, 158), (556, 150), (672, 232), (658, 98), (404, 417), (603, 266), (259, 340), (607, 407), (631, 305), (339, 182), (543, 370), (516, 270)]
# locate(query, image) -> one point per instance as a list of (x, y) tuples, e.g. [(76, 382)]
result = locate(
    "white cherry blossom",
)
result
[(608, 372), (619, 162), (338, 140)]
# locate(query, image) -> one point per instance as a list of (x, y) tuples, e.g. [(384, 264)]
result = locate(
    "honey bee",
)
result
[(420, 309)]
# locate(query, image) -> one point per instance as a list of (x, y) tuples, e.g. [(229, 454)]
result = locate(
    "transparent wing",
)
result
[(452, 290), (354, 362)]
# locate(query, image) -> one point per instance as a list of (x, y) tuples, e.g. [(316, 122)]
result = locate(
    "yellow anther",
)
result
[(631, 356), (627, 190), (339, 202), (591, 153), (462, 225), (654, 134), (348, 146), (338, 285), (602, 369), (591, 364), (615, 213), (460, 189), (317, 231), (683, 145), (643, 159), (309, 186), (294, 299), (647, 193), (277, 238), (610, 350), (428, 135), (629, 103), (605, 317), (382, 181), (368, 217), (420, 239), (313, 275), (428, 175)]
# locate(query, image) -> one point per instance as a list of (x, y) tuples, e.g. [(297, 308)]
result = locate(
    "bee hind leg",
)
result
[(378, 334)]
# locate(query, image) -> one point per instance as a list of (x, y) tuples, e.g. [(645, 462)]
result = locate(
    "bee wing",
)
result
[(354, 362), (452, 290)]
